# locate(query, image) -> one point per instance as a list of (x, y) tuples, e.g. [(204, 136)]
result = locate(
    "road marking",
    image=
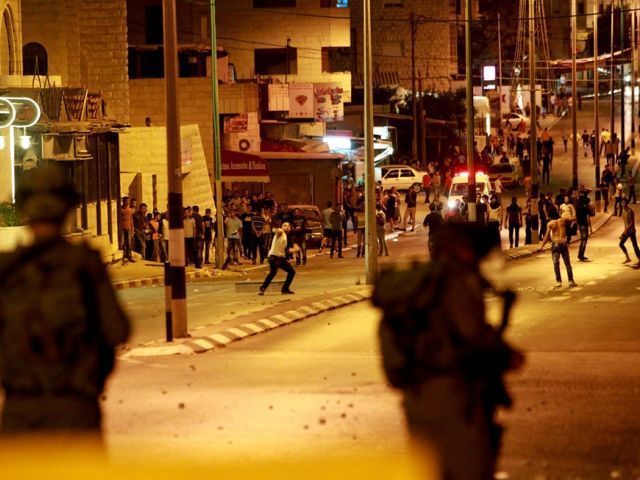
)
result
[(556, 299), (238, 332), (267, 323), (253, 327), (218, 337)]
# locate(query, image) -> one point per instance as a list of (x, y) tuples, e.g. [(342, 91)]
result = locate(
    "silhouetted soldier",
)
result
[(59, 319), (438, 349)]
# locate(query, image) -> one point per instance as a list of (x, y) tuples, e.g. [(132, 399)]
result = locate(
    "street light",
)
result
[(371, 252)]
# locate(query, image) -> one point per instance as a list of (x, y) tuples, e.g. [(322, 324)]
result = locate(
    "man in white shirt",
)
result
[(279, 258)]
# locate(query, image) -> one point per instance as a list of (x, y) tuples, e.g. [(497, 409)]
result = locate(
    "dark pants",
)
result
[(494, 230), (514, 235), (617, 207), (632, 193), (274, 264), (259, 247), (233, 244), (545, 176), (198, 246), (527, 232), (584, 236), (140, 245), (543, 227), (249, 243), (336, 235), (207, 249), (126, 244), (50, 414), (634, 242), (427, 194), (561, 250)]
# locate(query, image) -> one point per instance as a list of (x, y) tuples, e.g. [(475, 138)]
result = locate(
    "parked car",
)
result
[(508, 172), (515, 119), (314, 222), (400, 176)]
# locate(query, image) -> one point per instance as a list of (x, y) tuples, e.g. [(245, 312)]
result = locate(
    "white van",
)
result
[(460, 187)]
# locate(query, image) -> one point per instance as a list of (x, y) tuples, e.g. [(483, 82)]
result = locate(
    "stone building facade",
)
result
[(86, 44), (436, 55)]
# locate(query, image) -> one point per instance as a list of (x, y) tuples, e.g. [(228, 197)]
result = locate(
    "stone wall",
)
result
[(143, 151), (391, 32), (86, 43)]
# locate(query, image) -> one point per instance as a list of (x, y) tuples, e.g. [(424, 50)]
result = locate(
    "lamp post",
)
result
[(371, 257), (471, 167), (533, 147), (596, 97), (574, 94), (217, 152)]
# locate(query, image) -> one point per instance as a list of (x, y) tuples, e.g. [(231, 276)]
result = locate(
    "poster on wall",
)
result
[(237, 124), (301, 103), (328, 102), (278, 97)]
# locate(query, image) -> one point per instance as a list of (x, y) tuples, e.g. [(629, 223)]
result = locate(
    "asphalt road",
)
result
[(316, 389)]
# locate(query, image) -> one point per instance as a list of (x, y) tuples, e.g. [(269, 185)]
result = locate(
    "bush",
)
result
[(8, 215)]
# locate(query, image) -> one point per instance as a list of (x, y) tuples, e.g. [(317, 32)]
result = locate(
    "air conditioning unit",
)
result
[(241, 142), (65, 147)]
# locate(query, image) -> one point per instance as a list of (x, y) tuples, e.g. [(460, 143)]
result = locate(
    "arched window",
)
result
[(34, 54), (7, 43)]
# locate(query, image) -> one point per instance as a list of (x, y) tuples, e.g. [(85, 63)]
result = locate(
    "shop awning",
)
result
[(244, 167)]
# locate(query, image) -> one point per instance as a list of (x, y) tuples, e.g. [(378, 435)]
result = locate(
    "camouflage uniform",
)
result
[(59, 321), (438, 349)]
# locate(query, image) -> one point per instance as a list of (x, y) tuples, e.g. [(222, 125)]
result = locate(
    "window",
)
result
[(273, 3), (393, 49), (336, 59), (34, 54), (392, 174), (334, 3), (393, 3), (581, 20), (406, 173), (153, 25), (276, 61)]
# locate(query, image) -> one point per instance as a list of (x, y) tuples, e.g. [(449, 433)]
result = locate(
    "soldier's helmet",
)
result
[(45, 195)]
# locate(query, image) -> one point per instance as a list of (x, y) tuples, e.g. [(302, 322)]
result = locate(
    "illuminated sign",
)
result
[(489, 73), (17, 113)]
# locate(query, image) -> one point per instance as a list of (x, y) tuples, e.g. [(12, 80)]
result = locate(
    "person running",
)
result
[(629, 219), (557, 234), (279, 254), (513, 221)]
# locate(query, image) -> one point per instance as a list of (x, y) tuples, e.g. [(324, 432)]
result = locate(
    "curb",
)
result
[(159, 280), (206, 273), (225, 337)]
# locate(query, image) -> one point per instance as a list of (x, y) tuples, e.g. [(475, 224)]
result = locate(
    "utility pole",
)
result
[(174, 175), (634, 48), (612, 74), (499, 69), (622, 81), (369, 177), (533, 132), (423, 124), (596, 97), (217, 151), (574, 94), (471, 167), (414, 95)]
